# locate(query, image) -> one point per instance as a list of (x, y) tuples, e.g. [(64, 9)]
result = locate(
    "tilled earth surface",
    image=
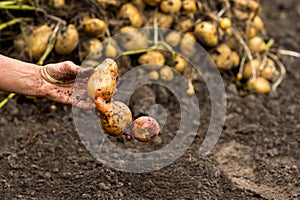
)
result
[(256, 157)]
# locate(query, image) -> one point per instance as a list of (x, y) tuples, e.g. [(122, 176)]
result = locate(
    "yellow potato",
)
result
[(153, 60), (115, 117), (67, 40), (38, 40), (94, 27), (132, 39), (129, 11), (206, 32), (102, 83)]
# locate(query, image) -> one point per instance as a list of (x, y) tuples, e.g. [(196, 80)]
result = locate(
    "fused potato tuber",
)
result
[(94, 27), (129, 11), (145, 129), (103, 80), (115, 116), (206, 32), (67, 40), (38, 40)]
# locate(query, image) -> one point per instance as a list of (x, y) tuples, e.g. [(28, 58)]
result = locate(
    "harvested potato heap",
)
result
[(115, 116), (232, 31)]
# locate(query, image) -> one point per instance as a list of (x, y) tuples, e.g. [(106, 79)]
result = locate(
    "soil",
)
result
[(256, 157)]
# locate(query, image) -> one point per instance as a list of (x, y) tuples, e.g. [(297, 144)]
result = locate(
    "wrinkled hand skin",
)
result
[(58, 84)]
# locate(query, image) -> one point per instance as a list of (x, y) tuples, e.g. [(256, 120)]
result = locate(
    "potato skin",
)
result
[(104, 80), (115, 117), (145, 129), (38, 40), (67, 40)]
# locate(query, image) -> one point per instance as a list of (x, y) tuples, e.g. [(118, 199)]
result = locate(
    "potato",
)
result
[(38, 40), (260, 85), (110, 51), (189, 6), (56, 3), (258, 23), (179, 64), (104, 80), (129, 11), (225, 23), (94, 27), (92, 47), (257, 45), (222, 57), (153, 59), (170, 6), (247, 73), (163, 20), (187, 45), (132, 39), (184, 26), (206, 32), (67, 40), (173, 38), (269, 72), (166, 73), (115, 117), (145, 129)]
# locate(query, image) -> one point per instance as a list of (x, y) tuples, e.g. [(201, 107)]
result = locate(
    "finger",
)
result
[(85, 72), (64, 72), (85, 104)]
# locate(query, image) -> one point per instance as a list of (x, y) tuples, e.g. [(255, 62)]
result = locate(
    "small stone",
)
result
[(104, 186), (86, 196), (47, 175), (55, 170), (120, 184)]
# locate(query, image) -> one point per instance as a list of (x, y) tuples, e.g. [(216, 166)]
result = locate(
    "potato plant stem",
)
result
[(13, 21), (282, 71), (50, 45), (6, 3), (17, 7), (4, 101)]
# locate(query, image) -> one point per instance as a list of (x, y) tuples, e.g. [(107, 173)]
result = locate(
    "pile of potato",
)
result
[(232, 31)]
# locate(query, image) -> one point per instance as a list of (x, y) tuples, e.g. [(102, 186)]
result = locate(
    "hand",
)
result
[(58, 81)]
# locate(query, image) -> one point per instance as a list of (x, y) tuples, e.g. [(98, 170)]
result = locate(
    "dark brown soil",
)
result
[(257, 156)]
